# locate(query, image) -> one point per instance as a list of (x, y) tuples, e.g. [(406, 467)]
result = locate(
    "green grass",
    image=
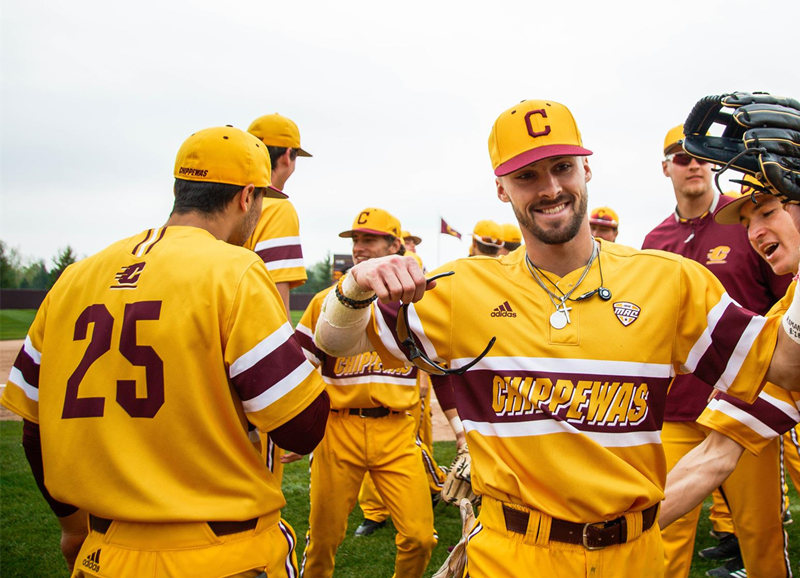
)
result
[(14, 323), (29, 533)]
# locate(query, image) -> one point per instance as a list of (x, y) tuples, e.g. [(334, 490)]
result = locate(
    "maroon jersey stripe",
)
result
[(28, 368), (763, 411), (307, 343), (269, 370), (147, 235), (726, 334), (587, 402), (280, 253)]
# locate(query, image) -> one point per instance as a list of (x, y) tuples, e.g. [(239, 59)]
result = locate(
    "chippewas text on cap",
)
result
[(225, 155)]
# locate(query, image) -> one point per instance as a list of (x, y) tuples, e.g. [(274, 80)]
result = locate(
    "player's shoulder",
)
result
[(282, 208)]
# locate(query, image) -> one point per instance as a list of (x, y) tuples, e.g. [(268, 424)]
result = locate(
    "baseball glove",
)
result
[(453, 567), (761, 137), (458, 483)]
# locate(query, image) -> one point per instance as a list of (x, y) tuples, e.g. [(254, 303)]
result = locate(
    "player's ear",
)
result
[(246, 197), (501, 191), (587, 169), (664, 168)]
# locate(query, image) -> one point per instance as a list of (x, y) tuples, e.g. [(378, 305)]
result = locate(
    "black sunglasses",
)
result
[(417, 355), (684, 160)]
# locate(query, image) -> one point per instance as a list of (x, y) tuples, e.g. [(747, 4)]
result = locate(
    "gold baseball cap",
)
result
[(375, 222), (751, 190), (511, 233), (488, 232), (604, 217), (673, 139), (531, 131), (407, 235), (278, 131), (225, 155)]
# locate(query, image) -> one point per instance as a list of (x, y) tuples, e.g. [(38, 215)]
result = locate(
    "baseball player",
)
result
[(487, 239), (168, 340), (725, 251), (276, 238), (369, 500), (563, 412), (604, 224), (512, 238), (370, 429), (737, 427)]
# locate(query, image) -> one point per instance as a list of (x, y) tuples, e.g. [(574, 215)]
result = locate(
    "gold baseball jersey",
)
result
[(359, 380), (772, 414), (142, 368), (276, 239), (567, 421)]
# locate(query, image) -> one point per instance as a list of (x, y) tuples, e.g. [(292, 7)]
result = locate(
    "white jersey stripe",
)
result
[(260, 351), (549, 427), (17, 378), (739, 355), (570, 366), (744, 418), (372, 378), (277, 242), (387, 336), (279, 389), (704, 341), (32, 351), (283, 264), (792, 410)]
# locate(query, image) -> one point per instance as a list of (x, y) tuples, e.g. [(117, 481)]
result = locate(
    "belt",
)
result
[(101, 525), (368, 411), (592, 536)]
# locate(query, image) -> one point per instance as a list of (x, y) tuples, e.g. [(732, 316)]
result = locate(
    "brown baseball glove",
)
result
[(458, 483)]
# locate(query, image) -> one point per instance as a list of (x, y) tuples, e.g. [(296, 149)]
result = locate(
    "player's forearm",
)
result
[(341, 330), (697, 474), (32, 444), (283, 291), (456, 426)]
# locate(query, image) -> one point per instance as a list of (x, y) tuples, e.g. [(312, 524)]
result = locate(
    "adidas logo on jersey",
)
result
[(503, 310), (92, 561)]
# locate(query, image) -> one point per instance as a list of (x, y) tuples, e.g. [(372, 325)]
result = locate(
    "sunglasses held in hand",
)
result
[(417, 355)]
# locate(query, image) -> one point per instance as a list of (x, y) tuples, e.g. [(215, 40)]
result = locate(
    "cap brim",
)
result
[(604, 223), (729, 214), (538, 154), (348, 234), (302, 153), (273, 193), (416, 240)]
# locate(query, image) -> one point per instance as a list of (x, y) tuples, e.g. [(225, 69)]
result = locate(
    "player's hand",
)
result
[(392, 278), (290, 457), (74, 529)]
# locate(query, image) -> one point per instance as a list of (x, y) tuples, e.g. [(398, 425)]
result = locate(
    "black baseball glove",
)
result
[(761, 137)]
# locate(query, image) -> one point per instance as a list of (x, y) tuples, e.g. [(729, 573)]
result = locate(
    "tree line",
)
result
[(18, 272)]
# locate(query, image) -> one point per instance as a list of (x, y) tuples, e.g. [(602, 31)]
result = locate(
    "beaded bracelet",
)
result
[(351, 303)]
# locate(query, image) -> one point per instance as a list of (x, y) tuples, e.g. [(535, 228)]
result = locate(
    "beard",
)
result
[(247, 226), (555, 236)]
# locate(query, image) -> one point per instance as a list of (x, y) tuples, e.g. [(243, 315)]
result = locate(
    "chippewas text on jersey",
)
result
[(575, 401), (368, 363)]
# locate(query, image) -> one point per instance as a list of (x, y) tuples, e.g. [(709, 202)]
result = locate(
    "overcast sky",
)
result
[(395, 102)]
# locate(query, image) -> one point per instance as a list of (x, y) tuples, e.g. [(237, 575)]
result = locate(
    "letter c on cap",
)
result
[(532, 132), (362, 218)]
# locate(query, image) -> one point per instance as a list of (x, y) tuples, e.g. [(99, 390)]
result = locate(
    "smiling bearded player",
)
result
[(563, 414)]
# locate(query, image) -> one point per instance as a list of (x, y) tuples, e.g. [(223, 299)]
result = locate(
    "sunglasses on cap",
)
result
[(417, 355), (683, 160)]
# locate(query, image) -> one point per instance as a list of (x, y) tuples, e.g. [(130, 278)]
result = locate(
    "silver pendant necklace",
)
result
[(559, 319)]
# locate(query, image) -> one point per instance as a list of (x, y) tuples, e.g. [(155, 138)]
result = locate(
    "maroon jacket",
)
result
[(725, 251)]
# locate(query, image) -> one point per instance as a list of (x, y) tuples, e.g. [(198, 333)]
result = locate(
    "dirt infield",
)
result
[(9, 350)]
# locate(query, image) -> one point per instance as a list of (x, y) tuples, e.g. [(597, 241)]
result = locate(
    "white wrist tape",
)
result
[(456, 424), (791, 319)]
